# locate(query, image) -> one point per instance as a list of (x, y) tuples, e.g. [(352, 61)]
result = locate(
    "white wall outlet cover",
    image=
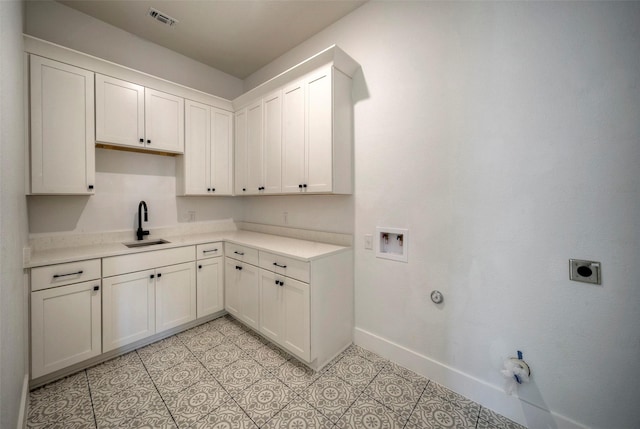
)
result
[(392, 243), (368, 241)]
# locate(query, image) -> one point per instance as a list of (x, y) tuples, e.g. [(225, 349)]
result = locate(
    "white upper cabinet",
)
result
[(221, 155), (317, 134), (259, 147), (206, 167), (119, 112), (134, 116), (293, 174), (272, 144), (62, 128), (318, 148), (306, 135), (163, 121), (240, 148), (248, 148), (255, 179)]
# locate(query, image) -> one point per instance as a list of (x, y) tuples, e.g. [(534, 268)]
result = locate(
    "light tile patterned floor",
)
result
[(219, 375)]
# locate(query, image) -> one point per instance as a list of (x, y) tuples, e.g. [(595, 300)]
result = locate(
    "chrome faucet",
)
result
[(141, 232)]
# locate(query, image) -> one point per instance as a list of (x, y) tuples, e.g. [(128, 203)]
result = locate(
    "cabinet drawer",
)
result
[(116, 265), (242, 253), (209, 250), (282, 265), (64, 274)]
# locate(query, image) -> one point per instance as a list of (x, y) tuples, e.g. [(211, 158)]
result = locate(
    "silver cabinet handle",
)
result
[(55, 276), (208, 251)]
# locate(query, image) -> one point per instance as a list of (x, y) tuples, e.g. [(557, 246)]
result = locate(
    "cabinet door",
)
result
[(318, 148), (65, 326), (128, 305), (249, 295), (197, 148), (271, 296), (296, 334), (231, 287), (273, 143), (293, 139), (62, 128), (254, 149), (175, 295), (220, 155), (163, 121), (119, 112), (240, 148), (210, 296), (242, 294)]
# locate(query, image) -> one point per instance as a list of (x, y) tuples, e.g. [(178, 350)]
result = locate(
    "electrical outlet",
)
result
[(285, 218), (192, 216), (368, 241), (585, 271)]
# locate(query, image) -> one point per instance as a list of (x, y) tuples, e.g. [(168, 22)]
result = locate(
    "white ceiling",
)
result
[(235, 36)]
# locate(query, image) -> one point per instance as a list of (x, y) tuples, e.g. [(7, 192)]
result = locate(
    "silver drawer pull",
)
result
[(208, 251), (55, 276), (238, 253), (278, 265)]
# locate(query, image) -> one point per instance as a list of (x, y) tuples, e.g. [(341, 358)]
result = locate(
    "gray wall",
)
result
[(505, 136), (13, 226)]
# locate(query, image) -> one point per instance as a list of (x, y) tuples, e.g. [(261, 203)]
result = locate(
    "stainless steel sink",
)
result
[(145, 243)]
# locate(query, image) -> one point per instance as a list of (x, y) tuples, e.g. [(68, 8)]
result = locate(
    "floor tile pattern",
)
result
[(220, 375)]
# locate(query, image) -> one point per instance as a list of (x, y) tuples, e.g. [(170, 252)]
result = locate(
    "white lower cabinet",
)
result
[(84, 308), (210, 281), (175, 296), (242, 292), (147, 293), (129, 308), (65, 326), (285, 312), (140, 304), (305, 307)]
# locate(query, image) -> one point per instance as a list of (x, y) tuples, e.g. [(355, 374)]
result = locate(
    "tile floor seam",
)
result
[(213, 411), (358, 396), (416, 404), (158, 392), (93, 410)]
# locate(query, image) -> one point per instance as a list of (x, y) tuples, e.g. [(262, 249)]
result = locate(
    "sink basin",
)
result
[(145, 243)]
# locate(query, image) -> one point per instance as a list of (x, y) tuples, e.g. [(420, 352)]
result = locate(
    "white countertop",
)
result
[(285, 246)]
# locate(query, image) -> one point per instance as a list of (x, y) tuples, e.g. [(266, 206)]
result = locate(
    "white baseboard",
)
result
[(487, 395), (22, 414)]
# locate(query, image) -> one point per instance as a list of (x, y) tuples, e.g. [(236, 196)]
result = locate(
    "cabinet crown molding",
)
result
[(332, 55)]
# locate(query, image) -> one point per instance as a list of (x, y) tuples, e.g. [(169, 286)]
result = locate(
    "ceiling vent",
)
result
[(162, 17)]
